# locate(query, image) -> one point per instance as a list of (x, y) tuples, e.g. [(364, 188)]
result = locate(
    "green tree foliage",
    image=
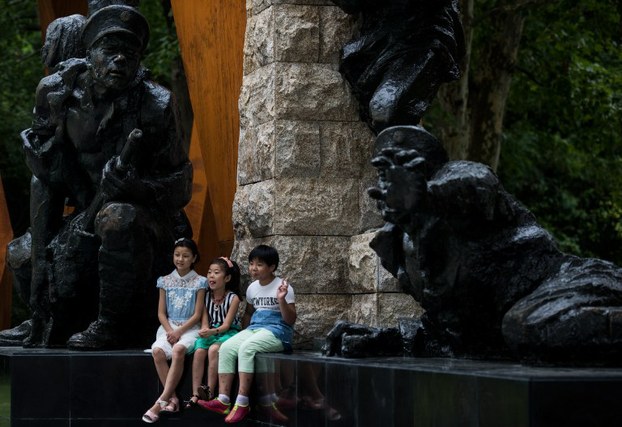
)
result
[(562, 147), (20, 71), (163, 50)]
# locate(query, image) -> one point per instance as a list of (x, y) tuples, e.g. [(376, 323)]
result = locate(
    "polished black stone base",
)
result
[(67, 388)]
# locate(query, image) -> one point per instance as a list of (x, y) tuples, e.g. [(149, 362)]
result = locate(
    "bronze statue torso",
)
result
[(85, 117)]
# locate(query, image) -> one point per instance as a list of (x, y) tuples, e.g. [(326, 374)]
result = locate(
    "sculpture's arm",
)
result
[(160, 175), (43, 142)]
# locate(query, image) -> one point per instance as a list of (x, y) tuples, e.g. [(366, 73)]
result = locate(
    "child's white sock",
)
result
[(241, 400), (224, 398)]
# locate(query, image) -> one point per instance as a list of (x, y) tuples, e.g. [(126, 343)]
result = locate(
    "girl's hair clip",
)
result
[(227, 260), (181, 239)]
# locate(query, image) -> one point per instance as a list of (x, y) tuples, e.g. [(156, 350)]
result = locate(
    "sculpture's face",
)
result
[(114, 61), (401, 183)]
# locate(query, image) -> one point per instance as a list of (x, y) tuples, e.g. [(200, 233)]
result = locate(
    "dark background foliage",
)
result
[(562, 147)]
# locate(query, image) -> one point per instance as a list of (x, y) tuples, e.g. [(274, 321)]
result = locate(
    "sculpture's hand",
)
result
[(115, 181), (119, 178), (401, 183), (122, 183), (355, 340)]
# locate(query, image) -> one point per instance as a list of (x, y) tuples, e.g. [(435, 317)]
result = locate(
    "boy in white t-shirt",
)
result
[(270, 302)]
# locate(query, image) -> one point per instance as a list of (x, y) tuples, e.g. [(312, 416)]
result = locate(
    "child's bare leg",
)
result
[(173, 377), (246, 381), (162, 368), (198, 370), (224, 384), (161, 364), (212, 368)]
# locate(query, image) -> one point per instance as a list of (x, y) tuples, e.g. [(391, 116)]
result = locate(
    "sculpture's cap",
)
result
[(113, 20), (413, 138)]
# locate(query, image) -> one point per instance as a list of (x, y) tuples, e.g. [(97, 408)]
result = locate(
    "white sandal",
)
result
[(151, 417)]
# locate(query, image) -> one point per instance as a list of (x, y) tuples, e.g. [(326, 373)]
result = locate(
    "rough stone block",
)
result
[(393, 305), (383, 309), (257, 6), (259, 41), (317, 315), (346, 149), (369, 213), (297, 36), (312, 92), (254, 210), (256, 153), (315, 264), (365, 270), (297, 149), (337, 28), (257, 97), (316, 207), (364, 309), (362, 264)]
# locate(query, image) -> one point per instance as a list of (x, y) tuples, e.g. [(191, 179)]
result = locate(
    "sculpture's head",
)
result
[(95, 5), (63, 40), (115, 38), (406, 157)]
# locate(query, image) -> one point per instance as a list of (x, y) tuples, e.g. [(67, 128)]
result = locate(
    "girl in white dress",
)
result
[(182, 295)]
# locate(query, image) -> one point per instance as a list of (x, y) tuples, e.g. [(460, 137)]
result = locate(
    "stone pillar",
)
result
[(304, 167)]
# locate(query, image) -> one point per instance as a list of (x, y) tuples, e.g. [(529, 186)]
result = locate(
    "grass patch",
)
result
[(5, 400)]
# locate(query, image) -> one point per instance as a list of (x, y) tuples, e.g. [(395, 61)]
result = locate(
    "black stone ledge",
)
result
[(59, 387)]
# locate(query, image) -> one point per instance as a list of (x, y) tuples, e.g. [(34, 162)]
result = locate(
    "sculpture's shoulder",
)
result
[(464, 183), (54, 88), (472, 191), (156, 97), (64, 77), (464, 172)]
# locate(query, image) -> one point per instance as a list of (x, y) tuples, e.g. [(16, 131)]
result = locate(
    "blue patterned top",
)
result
[(181, 294)]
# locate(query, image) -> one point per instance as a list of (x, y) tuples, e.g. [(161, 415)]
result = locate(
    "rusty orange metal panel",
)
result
[(49, 10), (199, 210), (6, 285), (211, 39)]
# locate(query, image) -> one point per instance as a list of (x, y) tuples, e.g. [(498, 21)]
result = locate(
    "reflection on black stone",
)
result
[(301, 395)]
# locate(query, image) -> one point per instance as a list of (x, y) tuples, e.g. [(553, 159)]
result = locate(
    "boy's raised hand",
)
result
[(282, 290)]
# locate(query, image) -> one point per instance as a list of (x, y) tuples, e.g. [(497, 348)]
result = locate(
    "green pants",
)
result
[(242, 348)]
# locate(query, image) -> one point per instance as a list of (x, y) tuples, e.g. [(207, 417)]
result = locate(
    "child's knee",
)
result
[(158, 354), (213, 351), (179, 350), (248, 350)]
